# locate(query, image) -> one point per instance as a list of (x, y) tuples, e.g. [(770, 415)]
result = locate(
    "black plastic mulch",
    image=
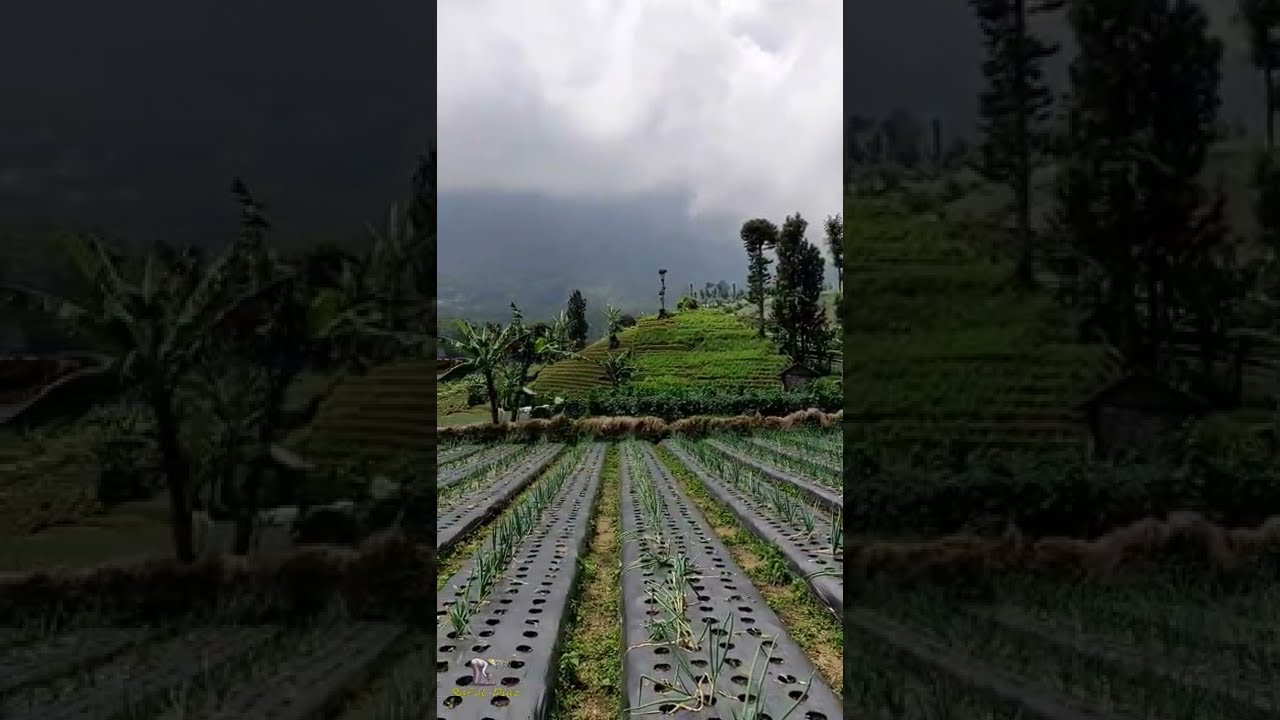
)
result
[(829, 498), (521, 625), (652, 670), (454, 523), (805, 556)]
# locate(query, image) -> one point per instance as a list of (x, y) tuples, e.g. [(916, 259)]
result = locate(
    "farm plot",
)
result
[(450, 472), (810, 539), (465, 505), (134, 680), (819, 487), (1050, 650), (824, 445), (697, 632), (455, 453), (529, 570)]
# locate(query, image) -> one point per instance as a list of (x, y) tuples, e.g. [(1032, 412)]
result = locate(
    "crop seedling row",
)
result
[(57, 656), (819, 461), (478, 577), (931, 657), (832, 499), (476, 464), (138, 679), (522, 630), (453, 524), (456, 453), (821, 568), (313, 683), (699, 638), (1248, 697)]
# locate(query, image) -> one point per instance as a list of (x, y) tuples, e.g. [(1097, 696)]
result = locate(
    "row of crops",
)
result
[(696, 636)]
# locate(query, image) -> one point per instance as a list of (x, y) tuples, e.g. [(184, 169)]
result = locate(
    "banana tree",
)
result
[(485, 347), (613, 318), (154, 326), (618, 367)]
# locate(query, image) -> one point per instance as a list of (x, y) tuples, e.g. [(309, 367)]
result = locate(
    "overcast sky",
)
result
[(737, 103)]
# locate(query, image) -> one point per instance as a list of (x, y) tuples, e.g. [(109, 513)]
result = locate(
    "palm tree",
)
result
[(485, 347), (155, 327)]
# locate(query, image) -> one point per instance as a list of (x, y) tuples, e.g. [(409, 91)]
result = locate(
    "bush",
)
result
[(948, 489), (688, 302), (477, 393), (673, 404)]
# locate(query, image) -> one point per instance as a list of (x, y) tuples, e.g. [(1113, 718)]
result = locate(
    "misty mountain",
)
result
[(498, 248)]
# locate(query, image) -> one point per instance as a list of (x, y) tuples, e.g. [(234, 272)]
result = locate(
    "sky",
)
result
[(734, 104)]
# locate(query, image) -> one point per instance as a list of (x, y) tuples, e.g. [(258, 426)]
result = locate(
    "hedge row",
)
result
[(676, 404)]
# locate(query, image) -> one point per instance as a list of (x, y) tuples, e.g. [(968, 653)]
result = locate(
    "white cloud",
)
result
[(737, 102)]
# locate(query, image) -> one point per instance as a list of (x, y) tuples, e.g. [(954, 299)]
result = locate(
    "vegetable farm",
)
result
[(688, 576)]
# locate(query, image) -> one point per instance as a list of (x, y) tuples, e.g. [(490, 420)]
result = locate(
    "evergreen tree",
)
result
[(576, 320), (835, 243), (798, 314), (1015, 108), (757, 236), (1261, 19), (1144, 101)]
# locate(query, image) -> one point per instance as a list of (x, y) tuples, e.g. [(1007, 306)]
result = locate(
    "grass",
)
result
[(589, 671), (695, 348)]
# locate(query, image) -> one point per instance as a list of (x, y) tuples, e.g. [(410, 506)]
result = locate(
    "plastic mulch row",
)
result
[(474, 463), (454, 523), (930, 657), (805, 557), (457, 453), (1247, 694), (824, 496), (521, 626), (312, 684), (145, 676), (49, 659), (721, 589), (796, 454)]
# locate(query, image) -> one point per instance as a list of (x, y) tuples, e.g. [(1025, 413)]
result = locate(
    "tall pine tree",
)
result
[(1261, 20), (1144, 102), (835, 243), (576, 326), (1015, 109), (758, 235), (797, 292)]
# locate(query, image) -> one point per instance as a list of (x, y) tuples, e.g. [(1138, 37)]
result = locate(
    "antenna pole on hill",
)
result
[(662, 293)]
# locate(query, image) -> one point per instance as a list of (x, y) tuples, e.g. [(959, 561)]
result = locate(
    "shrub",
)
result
[(688, 302), (477, 393), (672, 404)]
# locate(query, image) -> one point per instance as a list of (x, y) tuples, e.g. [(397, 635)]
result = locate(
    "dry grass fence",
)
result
[(388, 578), (565, 429), (966, 560)]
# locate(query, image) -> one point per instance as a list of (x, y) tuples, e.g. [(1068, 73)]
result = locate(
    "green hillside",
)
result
[(387, 413), (936, 347), (694, 348)]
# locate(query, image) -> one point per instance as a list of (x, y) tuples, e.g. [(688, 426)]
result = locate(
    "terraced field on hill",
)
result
[(937, 346), (390, 412), (696, 348)]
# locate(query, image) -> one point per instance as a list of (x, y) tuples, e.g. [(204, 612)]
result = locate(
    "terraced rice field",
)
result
[(925, 311), (697, 348), (43, 486), (724, 569), (1049, 651), (389, 413)]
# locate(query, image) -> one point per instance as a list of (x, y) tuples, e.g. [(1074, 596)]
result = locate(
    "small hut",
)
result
[(797, 376), (1133, 412)]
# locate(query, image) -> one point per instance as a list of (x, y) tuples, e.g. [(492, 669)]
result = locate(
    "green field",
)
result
[(695, 348), (938, 347)]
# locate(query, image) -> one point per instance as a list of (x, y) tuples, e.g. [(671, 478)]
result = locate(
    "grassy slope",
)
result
[(698, 348), (937, 347), (388, 412)]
